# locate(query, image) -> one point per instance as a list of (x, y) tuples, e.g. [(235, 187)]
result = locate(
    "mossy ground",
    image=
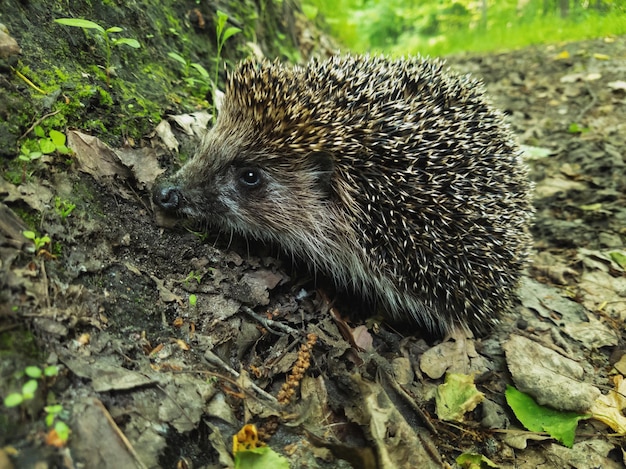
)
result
[(62, 74)]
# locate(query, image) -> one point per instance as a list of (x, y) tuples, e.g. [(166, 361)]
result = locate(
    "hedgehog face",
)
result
[(234, 185)]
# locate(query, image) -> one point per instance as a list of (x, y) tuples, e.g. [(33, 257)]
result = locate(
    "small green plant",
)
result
[(222, 35), (201, 235), (39, 241), (189, 68), (193, 300), (54, 415), (53, 142), (63, 208), (193, 276), (30, 387), (575, 128), (34, 148), (28, 156), (109, 42)]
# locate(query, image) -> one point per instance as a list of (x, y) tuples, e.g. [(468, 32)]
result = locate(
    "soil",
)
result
[(169, 340)]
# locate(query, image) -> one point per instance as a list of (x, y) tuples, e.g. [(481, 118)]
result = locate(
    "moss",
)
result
[(68, 64), (21, 342), (105, 98), (30, 218)]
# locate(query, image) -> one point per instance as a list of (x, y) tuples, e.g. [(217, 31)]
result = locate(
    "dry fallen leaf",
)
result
[(608, 408)]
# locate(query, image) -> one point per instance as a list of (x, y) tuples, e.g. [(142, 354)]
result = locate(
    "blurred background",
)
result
[(441, 27)]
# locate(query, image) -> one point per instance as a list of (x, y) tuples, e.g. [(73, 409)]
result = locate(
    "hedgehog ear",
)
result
[(322, 165)]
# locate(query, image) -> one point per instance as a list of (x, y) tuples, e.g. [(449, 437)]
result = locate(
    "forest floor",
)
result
[(161, 359)]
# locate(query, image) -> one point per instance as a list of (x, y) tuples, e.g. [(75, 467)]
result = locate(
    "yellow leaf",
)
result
[(608, 408), (247, 438), (562, 55)]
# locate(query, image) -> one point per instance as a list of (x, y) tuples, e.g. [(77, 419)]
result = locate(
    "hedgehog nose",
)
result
[(167, 197)]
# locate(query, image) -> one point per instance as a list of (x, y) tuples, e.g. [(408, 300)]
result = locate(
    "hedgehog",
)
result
[(395, 178)]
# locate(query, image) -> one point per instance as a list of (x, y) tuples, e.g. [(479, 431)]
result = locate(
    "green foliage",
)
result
[(54, 142), (33, 149), (193, 276), (195, 76), (619, 258), (260, 458), (537, 418), (193, 300), (54, 414), (475, 461), (27, 155), (457, 396), (39, 241), (109, 42), (29, 388), (63, 208), (401, 27), (222, 34), (575, 128)]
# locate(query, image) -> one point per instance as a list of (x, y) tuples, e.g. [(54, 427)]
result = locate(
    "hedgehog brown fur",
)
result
[(396, 178)]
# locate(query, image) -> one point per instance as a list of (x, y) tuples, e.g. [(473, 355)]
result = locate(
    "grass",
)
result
[(515, 35), (506, 30)]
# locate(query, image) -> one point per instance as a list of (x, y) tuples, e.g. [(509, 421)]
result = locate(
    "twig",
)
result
[(269, 324), (28, 82), (44, 279), (37, 122), (127, 444), (215, 360)]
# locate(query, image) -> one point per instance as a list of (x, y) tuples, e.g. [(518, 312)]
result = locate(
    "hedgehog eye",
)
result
[(250, 178)]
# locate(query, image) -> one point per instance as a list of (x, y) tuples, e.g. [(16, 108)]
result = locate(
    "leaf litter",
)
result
[(150, 379)]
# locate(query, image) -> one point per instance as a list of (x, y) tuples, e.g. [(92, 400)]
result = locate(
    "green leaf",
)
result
[(178, 58), (619, 258), (475, 461), (13, 400), (128, 42), (575, 128), (201, 70), (50, 419), (591, 207), (39, 132), (114, 29), (310, 11), (260, 458), (58, 138), (47, 146), (80, 23), (230, 32), (537, 418), (53, 409), (35, 155), (457, 396), (51, 370), (33, 372), (29, 388), (63, 431), (221, 21), (29, 234)]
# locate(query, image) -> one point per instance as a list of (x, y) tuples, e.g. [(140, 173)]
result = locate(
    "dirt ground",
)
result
[(168, 340)]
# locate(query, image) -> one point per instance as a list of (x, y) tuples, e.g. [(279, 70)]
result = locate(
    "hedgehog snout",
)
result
[(167, 196)]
